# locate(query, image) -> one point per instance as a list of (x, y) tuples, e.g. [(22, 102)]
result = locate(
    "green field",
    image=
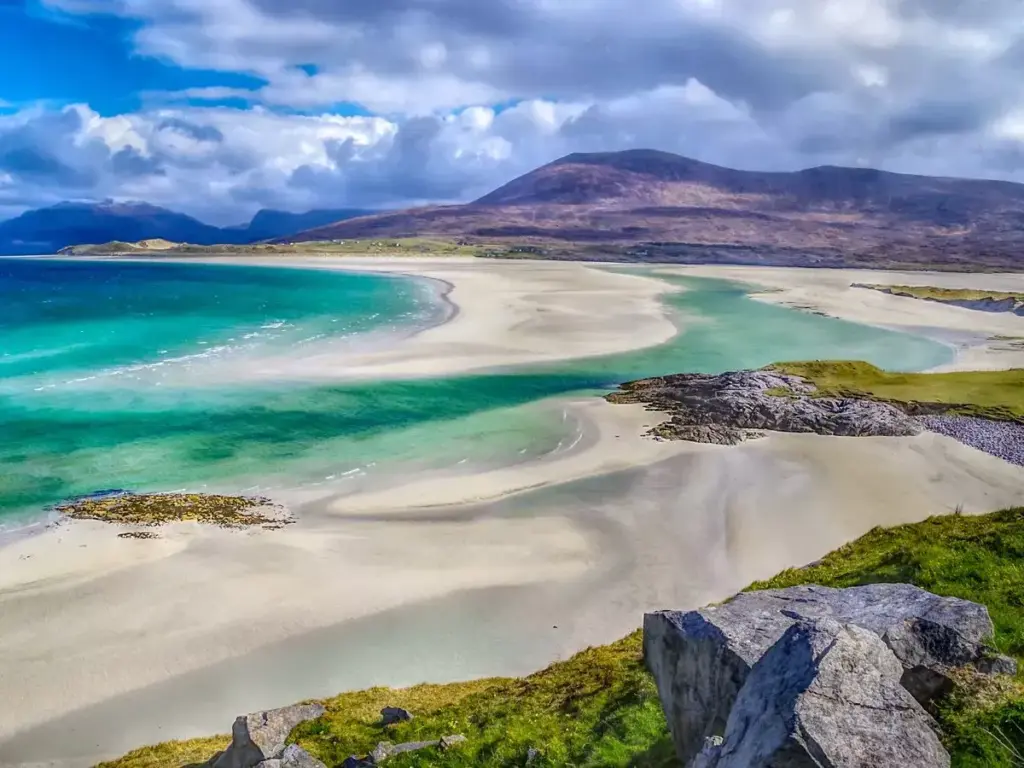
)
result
[(990, 394)]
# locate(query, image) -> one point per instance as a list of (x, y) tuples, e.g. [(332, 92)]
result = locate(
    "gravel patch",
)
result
[(1004, 439)]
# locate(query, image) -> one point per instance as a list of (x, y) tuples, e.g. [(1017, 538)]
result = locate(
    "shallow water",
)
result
[(92, 391)]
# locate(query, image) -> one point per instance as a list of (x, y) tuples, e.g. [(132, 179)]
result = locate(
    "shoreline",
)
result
[(506, 314), (124, 642), (970, 333)]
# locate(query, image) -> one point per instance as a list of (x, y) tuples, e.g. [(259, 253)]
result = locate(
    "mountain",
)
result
[(649, 203), (47, 230), (268, 224)]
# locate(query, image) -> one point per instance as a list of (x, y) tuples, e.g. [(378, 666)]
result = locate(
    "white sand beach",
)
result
[(508, 313), (107, 644)]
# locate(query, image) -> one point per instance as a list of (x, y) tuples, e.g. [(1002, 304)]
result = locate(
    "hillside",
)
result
[(649, 205), (600, 708), (48, 230)]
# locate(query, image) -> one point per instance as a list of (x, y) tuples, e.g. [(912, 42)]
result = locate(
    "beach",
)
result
[(107, 644), (972, 333)]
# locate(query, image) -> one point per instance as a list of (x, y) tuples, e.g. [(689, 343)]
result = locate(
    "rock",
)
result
[(709, 753), (828, 695), (450, 742), (700, 660), (296, 757), (731, 407), (411, 746), (385, 750), (532, 756), (260, 736), (381, 752), (392, 715)]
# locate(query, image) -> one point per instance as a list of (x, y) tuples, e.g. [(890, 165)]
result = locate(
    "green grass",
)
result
[(945, 294), (600, 708), (405, 246), (991, 394), (176, 754), (975, 558)]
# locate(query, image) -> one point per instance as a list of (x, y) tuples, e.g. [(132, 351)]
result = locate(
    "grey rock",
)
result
[(709, 753), (269, 764), (412, 746), (381, 752), (260, 736), (392, 715), (701, 659), (828, 695), (730, 407), (385, 750), (295, 756), (450, 742), (1004, 439), (532, 755)]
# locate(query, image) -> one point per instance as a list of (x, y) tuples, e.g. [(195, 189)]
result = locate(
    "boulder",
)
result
[(701, 659), (393, 715), (295, 756), (450, 742), (729, 407), (828, 695), (260, 736)]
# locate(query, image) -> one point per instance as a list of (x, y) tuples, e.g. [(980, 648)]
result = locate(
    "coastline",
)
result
[(106, 644), (972, 334), (508, 313)]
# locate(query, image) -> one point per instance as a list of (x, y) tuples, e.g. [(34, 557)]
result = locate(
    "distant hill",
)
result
[(268, 224), (47, 230), (656, 204)]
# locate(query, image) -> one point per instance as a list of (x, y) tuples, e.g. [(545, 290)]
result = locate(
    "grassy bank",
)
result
[(932, 293), (991, 394), (600, 708)]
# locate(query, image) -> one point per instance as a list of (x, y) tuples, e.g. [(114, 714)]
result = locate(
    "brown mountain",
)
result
[(644, 204)]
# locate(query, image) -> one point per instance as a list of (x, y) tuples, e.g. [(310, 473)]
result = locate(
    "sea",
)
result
[(162, 376)]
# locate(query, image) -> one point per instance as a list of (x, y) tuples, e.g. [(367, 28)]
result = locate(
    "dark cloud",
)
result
[(492, 18), (192, 130)]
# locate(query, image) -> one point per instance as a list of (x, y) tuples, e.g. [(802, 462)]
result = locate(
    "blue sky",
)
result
[(220, 107)]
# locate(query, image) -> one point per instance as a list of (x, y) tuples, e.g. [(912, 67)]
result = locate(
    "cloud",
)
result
[(929, 86)]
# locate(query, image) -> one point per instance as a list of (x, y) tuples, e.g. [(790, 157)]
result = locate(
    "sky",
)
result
[(221, 107)]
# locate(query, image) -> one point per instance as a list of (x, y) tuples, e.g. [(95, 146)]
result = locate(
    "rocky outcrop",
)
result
[(731, 407), (260, 737), (997, 302), (827, 694), (702, 661)]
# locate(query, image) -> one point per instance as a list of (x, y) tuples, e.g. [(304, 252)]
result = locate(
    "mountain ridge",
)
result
[(835, 215), (48, 230)]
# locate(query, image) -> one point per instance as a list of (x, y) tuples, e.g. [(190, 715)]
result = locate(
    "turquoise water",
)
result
[(88, 400)]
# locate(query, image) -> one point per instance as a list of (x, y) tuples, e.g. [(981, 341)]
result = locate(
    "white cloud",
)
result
[(929, 86)]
